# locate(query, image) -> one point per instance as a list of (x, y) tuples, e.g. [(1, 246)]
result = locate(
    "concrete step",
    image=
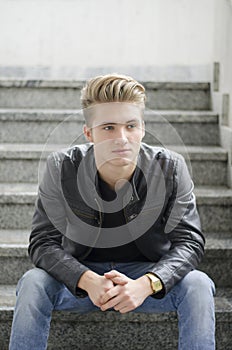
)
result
[(111, 330), (182, 127), (217, 261), (14, 237), (215, 208), (208, 165), (17, 206), (52, 126), (14, 260), (66, 94)]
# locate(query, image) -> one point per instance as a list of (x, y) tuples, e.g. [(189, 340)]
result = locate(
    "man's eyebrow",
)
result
[(133, 121), (107, 123), (113, 123)]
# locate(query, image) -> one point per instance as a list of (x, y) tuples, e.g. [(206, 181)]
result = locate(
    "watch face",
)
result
[(157, 286)]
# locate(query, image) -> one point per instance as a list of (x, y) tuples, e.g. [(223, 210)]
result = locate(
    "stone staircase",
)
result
[(37, 117)]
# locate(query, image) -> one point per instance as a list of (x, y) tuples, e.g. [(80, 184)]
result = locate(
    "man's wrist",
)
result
[(155, 282), (86, 279)]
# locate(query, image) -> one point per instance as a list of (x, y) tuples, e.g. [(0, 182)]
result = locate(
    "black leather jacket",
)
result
[(160, 212)]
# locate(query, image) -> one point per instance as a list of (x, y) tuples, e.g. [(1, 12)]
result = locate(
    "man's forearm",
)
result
[(87, 279)]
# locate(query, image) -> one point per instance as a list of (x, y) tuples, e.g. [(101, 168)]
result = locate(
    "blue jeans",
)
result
[(38, 294)]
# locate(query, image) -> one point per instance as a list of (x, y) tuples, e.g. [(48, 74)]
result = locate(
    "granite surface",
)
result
[(45, 97), (181, 133), (55, 118), (207, 168), (215, 217), (111, 330), (165, 127), (60, 94), (70, 131), (15, 216), (17, 207), (216, 263), (178, 99)]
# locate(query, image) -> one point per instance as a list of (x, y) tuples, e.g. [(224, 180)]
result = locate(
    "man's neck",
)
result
[(116, 176)]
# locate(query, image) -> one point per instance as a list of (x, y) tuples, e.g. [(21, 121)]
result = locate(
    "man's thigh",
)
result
[(68, 302), (195, 288), (37, 286)]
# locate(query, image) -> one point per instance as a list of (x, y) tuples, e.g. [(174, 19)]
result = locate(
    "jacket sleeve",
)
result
[(183, 229), (48, 226)]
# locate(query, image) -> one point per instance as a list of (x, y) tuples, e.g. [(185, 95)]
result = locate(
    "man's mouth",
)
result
[(122, 151)]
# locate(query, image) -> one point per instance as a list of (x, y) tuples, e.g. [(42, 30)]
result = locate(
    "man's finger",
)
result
[(110, 303), (115, 274), (109, 295), (119, 280)]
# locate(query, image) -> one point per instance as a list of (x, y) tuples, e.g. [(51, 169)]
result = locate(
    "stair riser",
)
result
[(69, 132), (19, 171), (13, 267), (219, 268), (160, 97), (214, 218), (178, 99), (194, 134), (204, 172), (110, 333), (209, 173), (115, 335), (39, 98), (16, 216), (42, 132)]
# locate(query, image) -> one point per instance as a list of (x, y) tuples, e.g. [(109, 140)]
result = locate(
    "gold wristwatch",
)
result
[(156, 284)]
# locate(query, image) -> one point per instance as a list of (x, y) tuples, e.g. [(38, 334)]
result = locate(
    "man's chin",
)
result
[(121, 161)]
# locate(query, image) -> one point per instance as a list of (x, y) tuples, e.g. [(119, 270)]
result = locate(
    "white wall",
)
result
[(223, 48), (223, 55), (151, 39)]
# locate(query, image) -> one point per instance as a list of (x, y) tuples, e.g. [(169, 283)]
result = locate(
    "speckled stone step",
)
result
[(113, 331), (14, 260), (215, 208), (217, 261), (66, 94), (208, 165), (165, 127), (17, 206)]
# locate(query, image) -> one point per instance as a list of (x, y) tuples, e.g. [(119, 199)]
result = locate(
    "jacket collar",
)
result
[(88, 172)]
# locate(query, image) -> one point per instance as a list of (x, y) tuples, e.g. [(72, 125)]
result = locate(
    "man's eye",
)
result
[(108, 127), (131, 126)]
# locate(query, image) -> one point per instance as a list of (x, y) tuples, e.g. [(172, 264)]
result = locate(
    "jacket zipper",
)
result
[(84, 256)]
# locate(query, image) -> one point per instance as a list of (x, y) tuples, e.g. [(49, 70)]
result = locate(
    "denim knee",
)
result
[(37, 282), (200, 281), (198, 286), (31, 278)]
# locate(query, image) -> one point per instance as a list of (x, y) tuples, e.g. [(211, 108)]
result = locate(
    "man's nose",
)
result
[(121, 136)]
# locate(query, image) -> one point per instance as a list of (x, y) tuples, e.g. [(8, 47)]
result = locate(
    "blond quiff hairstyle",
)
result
[(112, 88)]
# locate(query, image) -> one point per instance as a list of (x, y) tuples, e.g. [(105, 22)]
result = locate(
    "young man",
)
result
[(115, 227)]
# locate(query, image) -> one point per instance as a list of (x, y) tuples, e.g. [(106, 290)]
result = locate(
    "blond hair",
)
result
[(112, 88)]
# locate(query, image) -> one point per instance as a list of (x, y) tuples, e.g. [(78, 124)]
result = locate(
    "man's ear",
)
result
[(88, 133), (143, 129)]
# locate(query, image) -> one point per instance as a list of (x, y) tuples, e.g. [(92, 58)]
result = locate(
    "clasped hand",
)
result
[(122, 293)]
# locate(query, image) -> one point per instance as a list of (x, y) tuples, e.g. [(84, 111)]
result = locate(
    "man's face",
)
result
[(116, 130)]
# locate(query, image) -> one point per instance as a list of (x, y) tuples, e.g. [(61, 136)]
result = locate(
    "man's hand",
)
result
[(95, 285), (127, 294)]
